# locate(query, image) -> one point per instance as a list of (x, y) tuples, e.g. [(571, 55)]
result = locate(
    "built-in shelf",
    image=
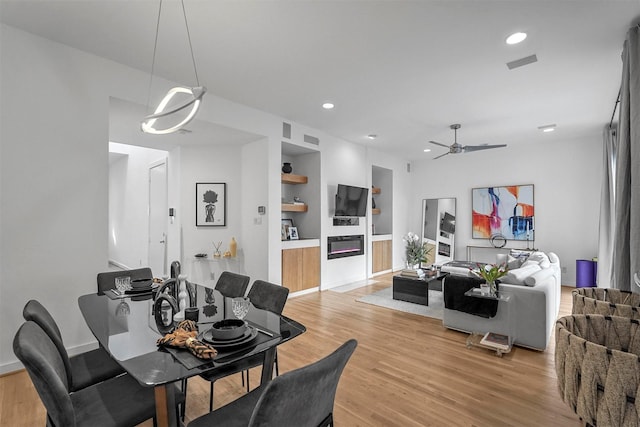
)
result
[(289, 178), (375, 211), (290, 207), (375, 190)]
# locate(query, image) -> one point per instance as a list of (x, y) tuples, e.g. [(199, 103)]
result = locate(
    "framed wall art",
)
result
[(286, 223), (293, 233), (211, 204), (506, 211)]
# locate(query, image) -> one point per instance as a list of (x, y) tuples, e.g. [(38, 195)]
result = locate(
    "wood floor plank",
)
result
[(408, 370)]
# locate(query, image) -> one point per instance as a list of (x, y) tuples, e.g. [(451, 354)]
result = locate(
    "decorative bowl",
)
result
[(228, 329)]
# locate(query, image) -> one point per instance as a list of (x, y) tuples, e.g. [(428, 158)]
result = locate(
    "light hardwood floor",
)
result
[(408, 370)]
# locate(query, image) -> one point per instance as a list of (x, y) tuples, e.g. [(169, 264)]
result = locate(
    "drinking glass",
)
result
[(123, 283), (240, 307)]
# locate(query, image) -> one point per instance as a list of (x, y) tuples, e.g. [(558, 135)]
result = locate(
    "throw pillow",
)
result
[(517, 276), (538, 277), (514, 263)]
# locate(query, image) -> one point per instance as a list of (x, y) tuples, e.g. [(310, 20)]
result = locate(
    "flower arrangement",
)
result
[(415, 251), (490, 272)]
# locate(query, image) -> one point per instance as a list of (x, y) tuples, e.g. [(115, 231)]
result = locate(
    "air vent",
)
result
[(522, 61), (311, 140), (286, 130)]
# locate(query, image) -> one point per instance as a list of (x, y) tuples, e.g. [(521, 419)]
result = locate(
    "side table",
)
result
[(474, 339), (412, 289)]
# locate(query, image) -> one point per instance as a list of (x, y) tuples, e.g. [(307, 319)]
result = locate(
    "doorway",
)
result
[(158, 215)]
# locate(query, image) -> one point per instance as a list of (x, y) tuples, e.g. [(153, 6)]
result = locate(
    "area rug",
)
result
[(384, 298)]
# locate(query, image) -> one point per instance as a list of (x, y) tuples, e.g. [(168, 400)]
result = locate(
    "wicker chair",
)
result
[(607, 302), (598, 368)]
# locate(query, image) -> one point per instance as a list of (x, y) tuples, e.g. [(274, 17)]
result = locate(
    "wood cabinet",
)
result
[(301, 268), (382, 255)]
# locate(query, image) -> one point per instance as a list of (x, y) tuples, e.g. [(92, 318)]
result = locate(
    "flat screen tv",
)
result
[(351, 201), (448, 223)]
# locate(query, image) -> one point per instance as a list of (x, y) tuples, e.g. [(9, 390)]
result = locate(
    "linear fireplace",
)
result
[(344, 246)]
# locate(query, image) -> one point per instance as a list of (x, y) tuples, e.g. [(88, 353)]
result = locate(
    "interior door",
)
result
[(158, 215)]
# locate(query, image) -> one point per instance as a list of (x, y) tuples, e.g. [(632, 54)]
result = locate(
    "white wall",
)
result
[(213, 164), (255, 192), (54, 176), (566, 177), (129, 204), (402, 196), (342, 164), (54, 181)]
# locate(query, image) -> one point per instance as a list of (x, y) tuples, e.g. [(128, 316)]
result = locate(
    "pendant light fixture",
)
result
[(185, 97)]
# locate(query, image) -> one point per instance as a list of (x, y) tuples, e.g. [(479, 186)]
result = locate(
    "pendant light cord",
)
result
[(153, 61), (155, 48), (193, 59), (615, 107)]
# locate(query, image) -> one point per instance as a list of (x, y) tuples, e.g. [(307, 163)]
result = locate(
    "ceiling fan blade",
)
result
[(437, 143), (468, 148), (441, 155)]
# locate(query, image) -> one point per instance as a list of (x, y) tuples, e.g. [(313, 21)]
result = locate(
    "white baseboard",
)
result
[(304, 292), (16, 365), (119, 265)]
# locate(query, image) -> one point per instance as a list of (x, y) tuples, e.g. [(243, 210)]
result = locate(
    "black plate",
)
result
[(249, 335)]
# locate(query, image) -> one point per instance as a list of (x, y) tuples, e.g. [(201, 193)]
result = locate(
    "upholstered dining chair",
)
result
[(83, 369), (117, 402), (302, 397), (232, 285), (270, 297), (107, 280), (265, 296)]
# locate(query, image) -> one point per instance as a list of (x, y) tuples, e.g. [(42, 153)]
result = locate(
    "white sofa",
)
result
[(531, 313)]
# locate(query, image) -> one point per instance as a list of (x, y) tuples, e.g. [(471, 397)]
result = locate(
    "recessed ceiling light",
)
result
[(328, 105), (426, 150), (516, 38), (372, 136), (547, 128)]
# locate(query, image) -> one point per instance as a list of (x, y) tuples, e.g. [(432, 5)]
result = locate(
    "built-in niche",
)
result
[(381, 200), (438, 229)]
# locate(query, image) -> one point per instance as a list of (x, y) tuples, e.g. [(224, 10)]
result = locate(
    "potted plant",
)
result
[(415, 251), (490, 273)]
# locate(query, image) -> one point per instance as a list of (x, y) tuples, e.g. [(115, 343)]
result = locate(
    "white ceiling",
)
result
[(404, 70)]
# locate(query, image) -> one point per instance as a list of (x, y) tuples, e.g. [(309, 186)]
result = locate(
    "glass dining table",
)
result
[(126, 326)]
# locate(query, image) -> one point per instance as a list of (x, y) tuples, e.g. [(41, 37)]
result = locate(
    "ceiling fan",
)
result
[(456, 148)]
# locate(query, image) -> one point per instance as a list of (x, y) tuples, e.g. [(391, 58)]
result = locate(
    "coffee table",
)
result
[(413, 289)]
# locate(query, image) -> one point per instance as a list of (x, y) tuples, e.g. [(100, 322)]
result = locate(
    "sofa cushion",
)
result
[(514, 263), (517, 276), (541, 258), (539, 276)]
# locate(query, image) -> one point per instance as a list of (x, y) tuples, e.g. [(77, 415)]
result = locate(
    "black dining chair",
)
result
[(265, 296), (232, 285), (116, 402), (302, 397), (83, 369), (107, 279)]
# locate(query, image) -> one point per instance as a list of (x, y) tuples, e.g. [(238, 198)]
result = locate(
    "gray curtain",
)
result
[(607, 207), (626, 253)]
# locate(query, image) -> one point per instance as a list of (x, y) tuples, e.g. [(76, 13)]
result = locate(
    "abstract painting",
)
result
[(506, 211), (211, 204)]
